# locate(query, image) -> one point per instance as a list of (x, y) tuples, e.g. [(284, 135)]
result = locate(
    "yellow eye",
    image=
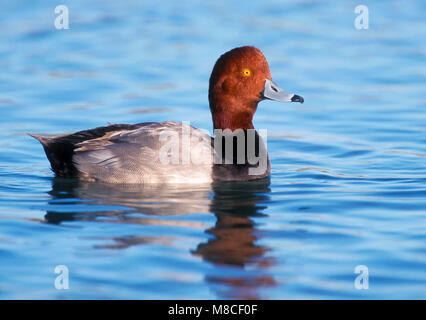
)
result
[(246, 72)]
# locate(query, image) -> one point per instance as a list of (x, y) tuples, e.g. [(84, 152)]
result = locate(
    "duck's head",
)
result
[(239, 81)]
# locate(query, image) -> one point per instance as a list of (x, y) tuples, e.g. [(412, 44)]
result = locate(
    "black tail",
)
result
[(59, 153)]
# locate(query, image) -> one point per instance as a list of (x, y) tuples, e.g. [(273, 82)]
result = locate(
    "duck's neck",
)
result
[(227, 115)]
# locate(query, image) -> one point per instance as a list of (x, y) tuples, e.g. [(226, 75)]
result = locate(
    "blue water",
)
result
[(348, 182)]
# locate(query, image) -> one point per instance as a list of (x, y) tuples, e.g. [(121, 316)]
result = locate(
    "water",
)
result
[(348, 166)]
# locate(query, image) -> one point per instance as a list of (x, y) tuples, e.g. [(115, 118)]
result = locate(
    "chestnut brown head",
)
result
[(239, 81)]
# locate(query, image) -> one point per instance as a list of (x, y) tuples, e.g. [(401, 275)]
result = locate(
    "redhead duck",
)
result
[(172, 152)]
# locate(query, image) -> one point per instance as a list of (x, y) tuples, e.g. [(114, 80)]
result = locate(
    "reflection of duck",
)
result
[(130, 204), (234, 242), (120, 199), (234, 205), (159, 152)]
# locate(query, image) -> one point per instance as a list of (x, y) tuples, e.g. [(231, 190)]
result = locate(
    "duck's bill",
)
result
[(273, 92)]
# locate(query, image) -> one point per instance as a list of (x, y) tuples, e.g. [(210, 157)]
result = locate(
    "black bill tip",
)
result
[(297, 98)]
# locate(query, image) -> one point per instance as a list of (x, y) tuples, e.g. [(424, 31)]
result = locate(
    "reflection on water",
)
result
[(156, 200), (234, 241), (235, 236)]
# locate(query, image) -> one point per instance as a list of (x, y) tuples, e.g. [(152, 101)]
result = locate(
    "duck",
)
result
[(176, 152)]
